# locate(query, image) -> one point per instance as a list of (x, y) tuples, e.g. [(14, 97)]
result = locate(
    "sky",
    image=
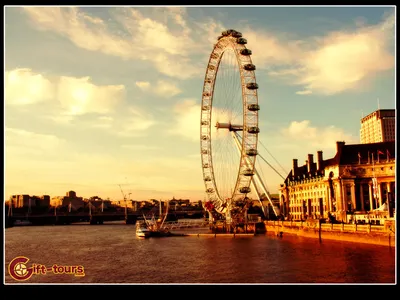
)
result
[(99, 99)]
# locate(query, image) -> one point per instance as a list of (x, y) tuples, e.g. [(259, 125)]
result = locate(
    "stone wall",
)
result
[(370, 234)]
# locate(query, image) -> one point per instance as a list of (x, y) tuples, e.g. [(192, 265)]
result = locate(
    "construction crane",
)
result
[(126, 207)]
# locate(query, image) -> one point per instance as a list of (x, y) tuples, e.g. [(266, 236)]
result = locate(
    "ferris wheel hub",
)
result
[(229, 126)]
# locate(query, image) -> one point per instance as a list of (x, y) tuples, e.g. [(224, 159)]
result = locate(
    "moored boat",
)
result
[(156, 227), (142, 231), (22, 223)]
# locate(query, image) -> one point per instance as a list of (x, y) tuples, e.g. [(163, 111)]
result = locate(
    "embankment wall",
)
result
[(379, 235)]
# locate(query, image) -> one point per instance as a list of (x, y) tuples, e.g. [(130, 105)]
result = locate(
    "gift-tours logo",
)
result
[(20, 270)]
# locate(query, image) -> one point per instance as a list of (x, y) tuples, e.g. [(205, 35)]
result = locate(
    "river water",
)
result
[(113, 254)]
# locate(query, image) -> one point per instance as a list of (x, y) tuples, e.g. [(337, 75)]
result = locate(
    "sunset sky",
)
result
[(98, 97)]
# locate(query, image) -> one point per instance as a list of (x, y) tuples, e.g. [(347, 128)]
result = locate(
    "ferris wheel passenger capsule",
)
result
[(253, 107), (252, 86), (248, 172), (245, 190), (253, 130), (237, 34), (245, 51), (249, 67), (251, 152)]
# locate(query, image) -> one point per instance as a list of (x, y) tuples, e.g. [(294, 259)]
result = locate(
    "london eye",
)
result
[(229, 126)]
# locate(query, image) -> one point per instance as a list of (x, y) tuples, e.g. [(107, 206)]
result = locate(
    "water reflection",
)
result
[(114, 254)]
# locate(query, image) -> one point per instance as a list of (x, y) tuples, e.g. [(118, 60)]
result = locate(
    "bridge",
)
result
[(93, 218)]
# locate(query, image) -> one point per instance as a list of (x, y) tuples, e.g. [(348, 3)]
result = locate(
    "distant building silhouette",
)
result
[(19, 201), (69, 200)]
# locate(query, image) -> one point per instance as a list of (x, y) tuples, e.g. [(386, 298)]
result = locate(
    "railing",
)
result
[(342, 227), (185, 224)]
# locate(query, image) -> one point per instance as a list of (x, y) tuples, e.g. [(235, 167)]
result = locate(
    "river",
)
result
[(113, 254)]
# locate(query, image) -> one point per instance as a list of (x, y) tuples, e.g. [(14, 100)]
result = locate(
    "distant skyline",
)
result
[(97, 97)]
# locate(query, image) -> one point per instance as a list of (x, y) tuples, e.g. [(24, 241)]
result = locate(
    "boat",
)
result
[(142, 231), (156, 227), (22, 223)]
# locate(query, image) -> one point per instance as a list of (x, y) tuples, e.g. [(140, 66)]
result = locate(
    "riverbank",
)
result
[(220, 235), (384, 235)]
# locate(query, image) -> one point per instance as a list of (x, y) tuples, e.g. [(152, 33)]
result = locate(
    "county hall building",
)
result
[(359, 178)]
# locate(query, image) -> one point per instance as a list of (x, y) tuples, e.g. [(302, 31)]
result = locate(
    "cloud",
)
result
[(345, 60), (62, 118), (27, 143), (22, 86), (139, 147), (162, 88), (166, 89), (103, 122), (128, 35), (143, 85), (305, 92), (76, 96), (79, 96), (269, 48), (339, 61), (85, 31), (304, 135), (135, 124), (178, 67), (331, 64), (186, 120)]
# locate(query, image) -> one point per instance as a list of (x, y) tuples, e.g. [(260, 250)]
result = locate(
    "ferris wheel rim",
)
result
[(250, 127)]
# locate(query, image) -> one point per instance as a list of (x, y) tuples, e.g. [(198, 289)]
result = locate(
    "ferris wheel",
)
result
[(229, 125)]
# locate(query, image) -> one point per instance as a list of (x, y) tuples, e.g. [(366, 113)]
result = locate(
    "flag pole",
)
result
[(374, 182)]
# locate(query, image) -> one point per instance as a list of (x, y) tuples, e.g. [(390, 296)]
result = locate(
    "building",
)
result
[(379, 126), (27, 201), (70, 200), (359, 178)]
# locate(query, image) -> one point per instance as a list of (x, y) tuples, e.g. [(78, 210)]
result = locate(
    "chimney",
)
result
[(339, 146), (319, 161), (310, 165), (295, 166)]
